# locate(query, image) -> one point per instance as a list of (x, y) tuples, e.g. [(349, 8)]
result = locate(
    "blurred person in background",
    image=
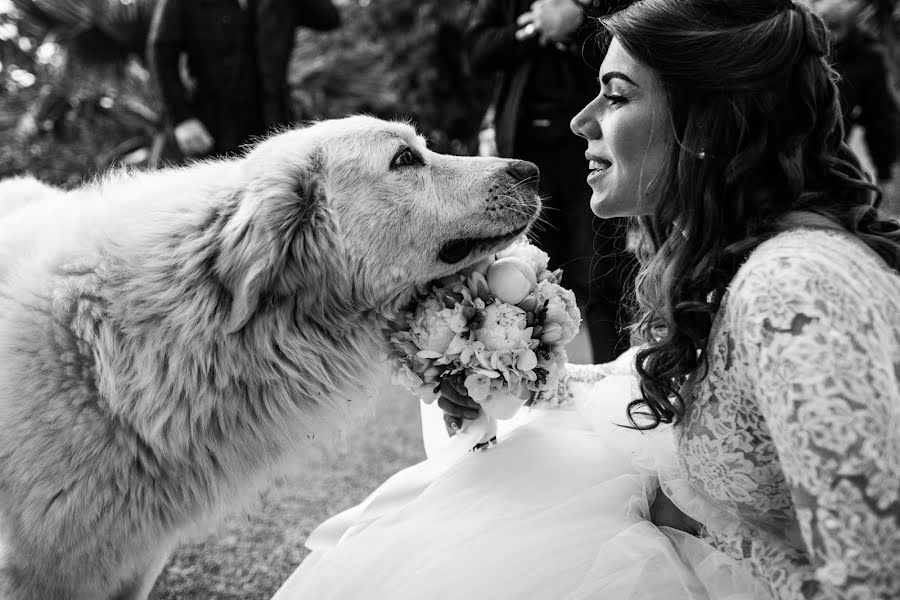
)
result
[(868, 99), (545, 74), (237, 53)]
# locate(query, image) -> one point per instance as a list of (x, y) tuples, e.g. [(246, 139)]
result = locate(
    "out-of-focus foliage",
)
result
[(68, 67), (394, 58)]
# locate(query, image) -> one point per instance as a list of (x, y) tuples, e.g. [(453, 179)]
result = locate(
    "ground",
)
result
[(255, 552)]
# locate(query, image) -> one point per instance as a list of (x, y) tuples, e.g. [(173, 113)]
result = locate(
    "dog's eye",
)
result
[(406, 158)]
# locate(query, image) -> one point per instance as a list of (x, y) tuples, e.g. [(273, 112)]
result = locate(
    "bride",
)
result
[(767, 383)]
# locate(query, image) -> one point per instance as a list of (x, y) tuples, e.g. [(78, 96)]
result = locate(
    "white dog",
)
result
[(167, 339)]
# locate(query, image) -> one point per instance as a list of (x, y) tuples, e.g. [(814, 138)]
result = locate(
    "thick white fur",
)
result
[(167, 339)]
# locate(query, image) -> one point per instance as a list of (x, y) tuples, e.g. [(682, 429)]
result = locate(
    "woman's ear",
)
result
[(269, 247)]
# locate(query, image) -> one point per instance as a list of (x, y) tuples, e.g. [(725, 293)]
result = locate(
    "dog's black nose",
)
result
[(522, 170)]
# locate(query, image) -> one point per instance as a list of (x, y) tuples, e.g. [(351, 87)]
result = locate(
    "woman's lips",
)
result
[(598, 166)]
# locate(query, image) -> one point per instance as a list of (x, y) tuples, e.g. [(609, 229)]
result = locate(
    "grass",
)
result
[(254, 552)]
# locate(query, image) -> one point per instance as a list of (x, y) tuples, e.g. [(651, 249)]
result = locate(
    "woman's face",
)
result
[(626, 127)]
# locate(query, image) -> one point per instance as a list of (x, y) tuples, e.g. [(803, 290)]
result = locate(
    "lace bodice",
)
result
[(794, 435)]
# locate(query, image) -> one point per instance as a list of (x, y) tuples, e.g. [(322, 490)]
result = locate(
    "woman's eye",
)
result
[(406, 158), (615, 99)]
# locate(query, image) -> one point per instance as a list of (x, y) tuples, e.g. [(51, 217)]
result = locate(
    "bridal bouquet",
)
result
[(500, 325)]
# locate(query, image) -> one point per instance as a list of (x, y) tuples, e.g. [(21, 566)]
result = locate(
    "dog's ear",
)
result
[(276, 244)]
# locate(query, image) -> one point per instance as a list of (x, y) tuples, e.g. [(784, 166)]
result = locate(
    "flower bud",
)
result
[(478, 285), (552, 333), (431, 374), (529, 303), (480, 267), (510, 279), (556, 313)]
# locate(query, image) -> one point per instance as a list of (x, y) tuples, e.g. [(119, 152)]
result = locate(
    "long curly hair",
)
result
[(756, 133)]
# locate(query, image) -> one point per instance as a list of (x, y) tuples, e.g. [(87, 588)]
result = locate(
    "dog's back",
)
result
[(16, 233), (17, 192)]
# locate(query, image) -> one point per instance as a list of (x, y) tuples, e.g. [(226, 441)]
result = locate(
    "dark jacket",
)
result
[(277, 21), (492, 49), (867, 99), (237, 57)]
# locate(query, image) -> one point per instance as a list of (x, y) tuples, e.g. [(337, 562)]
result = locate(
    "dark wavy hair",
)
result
[(756, 133)]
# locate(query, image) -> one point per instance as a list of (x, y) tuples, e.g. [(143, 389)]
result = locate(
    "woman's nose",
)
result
[(586, 123)]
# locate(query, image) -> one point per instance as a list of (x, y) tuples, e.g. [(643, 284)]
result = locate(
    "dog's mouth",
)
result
[(458, 250)]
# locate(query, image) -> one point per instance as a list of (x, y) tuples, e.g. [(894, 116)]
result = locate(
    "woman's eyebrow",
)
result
[(616, 74)]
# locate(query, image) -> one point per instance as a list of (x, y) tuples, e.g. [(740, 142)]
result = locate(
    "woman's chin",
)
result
[(608, 207), (603, 206)]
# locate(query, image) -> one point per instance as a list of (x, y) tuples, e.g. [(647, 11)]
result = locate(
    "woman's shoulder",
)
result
[(811, 246), (799, 268), (792, 258)]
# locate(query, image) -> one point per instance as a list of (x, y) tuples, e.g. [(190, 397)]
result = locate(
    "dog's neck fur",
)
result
[(204, 403)]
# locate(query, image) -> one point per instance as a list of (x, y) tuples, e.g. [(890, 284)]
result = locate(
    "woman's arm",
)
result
[(825, 383)]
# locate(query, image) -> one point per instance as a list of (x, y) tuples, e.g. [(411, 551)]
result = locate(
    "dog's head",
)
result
[(358, 211)]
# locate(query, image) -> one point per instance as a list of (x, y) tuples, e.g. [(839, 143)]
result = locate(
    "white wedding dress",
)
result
[(788, 453), (557, 509)]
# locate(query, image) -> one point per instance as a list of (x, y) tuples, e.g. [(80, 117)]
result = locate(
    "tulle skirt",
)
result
[(558, 509)]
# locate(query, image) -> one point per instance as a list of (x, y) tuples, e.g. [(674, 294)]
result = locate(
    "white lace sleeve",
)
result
[(622, 365), (826, 384)]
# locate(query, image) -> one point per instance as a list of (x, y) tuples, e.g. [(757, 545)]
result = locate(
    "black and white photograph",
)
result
[(449, 300)]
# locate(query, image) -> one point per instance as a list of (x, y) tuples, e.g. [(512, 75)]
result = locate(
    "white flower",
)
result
[(432, 328), (504, 328), (405, 377), (478, 386), (511, 279), (528, 252), (552, 334), (550, 366), (525, 360), (562, 311)]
